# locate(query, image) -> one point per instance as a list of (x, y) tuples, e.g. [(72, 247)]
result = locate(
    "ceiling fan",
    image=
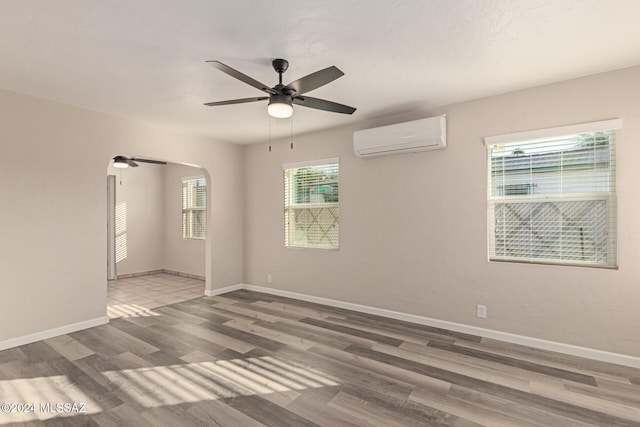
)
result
[(124, 162), (281, 97)]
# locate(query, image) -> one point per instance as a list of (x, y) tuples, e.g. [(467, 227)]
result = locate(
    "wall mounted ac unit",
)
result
[(408, 137)]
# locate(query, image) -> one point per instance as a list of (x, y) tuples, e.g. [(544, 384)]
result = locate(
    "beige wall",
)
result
[(152, 195), (413, 227), (53, 216), (182, 255), (141, 191)]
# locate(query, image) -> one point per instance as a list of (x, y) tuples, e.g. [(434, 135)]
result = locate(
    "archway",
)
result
[(159, 244)]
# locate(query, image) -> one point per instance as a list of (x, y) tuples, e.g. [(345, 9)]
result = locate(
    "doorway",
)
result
[(151, 262)]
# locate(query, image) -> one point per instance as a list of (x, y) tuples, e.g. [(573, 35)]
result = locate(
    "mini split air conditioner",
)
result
[(408, 137)]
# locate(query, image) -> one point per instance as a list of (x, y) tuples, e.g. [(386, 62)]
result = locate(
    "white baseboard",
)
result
[(220, 291), (164, 270), (590, 353), (181, 274), (573, 350), (50, 333)]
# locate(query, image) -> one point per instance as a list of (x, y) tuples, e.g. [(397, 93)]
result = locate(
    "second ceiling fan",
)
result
[(281, 97), (122, 162)]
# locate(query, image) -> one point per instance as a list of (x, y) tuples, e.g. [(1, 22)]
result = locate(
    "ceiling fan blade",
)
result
[(157, 162), (315, 80), (236, 101), (322, 104), (131, 163), (242, 77)]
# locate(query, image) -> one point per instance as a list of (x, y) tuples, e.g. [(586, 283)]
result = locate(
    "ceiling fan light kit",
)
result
[(282, 97), (280, 106), (120, 163)]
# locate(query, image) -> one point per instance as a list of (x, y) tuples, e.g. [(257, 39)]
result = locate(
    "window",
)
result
[(194, 208), (552, 195), (311, 210)]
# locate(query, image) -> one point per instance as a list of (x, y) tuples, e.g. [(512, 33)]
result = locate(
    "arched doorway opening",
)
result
[(157, 245)]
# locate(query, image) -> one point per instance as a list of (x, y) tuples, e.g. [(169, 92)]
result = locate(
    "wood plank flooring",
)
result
[(139, 295), (250, 359)]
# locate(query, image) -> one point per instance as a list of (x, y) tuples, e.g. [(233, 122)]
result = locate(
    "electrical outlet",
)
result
[(269, 278), (481, 311)]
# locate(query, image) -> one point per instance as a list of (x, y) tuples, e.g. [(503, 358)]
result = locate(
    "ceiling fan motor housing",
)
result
[(280, 65), (280, 98)]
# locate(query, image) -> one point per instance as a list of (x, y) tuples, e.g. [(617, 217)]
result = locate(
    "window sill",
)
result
[(321, 248), (554, 263)]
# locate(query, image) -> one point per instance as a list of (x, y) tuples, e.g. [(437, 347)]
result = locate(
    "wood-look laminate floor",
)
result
[(140, 295), (249, 359)]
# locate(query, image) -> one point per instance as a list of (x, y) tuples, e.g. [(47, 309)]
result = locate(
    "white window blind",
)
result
[(311, 211), (194, 208), (552, 195)]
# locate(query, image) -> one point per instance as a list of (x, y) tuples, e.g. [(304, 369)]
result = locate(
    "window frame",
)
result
[(290, 207), (184, 180), (609, 197)]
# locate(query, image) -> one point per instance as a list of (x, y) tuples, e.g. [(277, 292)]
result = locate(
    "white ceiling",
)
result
[(146, 58)]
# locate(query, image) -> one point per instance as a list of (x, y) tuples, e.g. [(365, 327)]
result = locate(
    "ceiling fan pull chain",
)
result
[(269, 120), (291, 132)]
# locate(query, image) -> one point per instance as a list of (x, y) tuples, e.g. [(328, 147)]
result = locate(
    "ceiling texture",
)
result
[(145, 59)]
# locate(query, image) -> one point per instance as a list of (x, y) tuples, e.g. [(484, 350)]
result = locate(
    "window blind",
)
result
[(552, 199), (311, 211), (194, 208)]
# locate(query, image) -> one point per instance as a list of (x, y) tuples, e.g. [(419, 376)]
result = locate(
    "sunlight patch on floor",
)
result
[(41, 398), (194, 382), (129, 310)]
